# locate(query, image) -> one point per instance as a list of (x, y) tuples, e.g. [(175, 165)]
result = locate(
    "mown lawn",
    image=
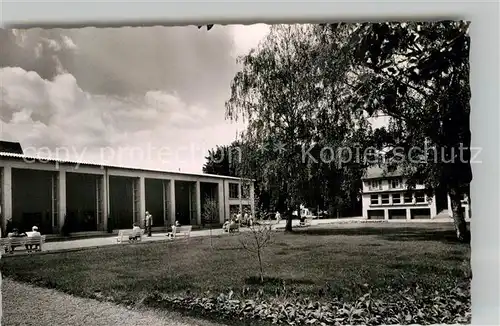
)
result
[(320, 263)]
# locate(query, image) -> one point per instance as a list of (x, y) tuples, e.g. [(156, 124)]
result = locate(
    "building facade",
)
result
[(385, 197), (86, 197)]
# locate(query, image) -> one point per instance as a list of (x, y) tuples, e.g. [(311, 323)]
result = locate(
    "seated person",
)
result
[(233, 225), (33, 234), (174, 227), (15, 234), (136, 233), (225, 226)]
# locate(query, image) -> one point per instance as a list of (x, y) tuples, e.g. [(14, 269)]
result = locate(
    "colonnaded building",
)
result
[(92, 198)]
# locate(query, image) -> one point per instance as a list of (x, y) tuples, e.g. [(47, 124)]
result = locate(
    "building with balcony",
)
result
[(385, 197)]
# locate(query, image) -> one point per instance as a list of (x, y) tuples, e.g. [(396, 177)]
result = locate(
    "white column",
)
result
[(240, 196), (408, 214), (105, 198), (227, 212), (61, 197), (105, 201), (198, 203), (6, 194), (252, 198), (172, 201), (221, 199), (165, 184), (142, 201), (386, 214), (450, 211), (365, 204)]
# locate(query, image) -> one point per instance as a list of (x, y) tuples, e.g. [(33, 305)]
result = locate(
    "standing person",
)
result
[(278, 216), (149, 223)]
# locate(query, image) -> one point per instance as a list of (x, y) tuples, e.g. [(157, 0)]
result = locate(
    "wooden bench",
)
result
[(183, 229), (10, 244), (307, 221), (124, 236), (232, 228)]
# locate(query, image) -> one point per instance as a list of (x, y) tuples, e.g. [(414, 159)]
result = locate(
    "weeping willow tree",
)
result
[(272, 93), (294, 97)]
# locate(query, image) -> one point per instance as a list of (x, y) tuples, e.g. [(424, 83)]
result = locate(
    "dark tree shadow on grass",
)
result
[(277, 281), (412, 233)]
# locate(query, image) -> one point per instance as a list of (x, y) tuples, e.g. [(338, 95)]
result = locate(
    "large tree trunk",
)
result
[(289, 216), (458, 216)]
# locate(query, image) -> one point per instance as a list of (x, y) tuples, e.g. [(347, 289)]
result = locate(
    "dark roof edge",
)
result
[(67, 162)]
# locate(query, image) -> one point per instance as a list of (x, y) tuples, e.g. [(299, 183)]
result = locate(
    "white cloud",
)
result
[(68, 43), (58, 114)]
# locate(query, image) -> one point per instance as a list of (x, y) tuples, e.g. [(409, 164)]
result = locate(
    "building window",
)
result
[(245, 191), (396, 198), (375, 185), (233, 190), (385, 199), (408, 198), (396, 183), (420, 197), (374, 199)]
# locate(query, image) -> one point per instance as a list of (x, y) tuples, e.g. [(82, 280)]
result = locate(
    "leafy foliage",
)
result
[(418, 75), (412, 306), (210, 214), (210, 210), (281, 93), (224, 160)]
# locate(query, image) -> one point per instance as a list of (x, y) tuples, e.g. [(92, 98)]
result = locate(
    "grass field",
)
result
[(320, 262)]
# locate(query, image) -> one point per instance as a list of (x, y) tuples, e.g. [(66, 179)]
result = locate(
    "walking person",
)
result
[(149, 223), (278, 216)]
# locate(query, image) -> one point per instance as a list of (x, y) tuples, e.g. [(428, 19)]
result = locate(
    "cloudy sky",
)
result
[(149, 97)]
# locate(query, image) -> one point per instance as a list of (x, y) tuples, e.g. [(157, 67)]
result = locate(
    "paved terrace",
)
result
[(56, 246)]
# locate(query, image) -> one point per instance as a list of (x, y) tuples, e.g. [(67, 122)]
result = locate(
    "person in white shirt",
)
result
[(33, 234), (174, 227), (278, 216), (250, 220)]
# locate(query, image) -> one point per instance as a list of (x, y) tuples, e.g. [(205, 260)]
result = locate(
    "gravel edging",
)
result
[(25, 304)]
